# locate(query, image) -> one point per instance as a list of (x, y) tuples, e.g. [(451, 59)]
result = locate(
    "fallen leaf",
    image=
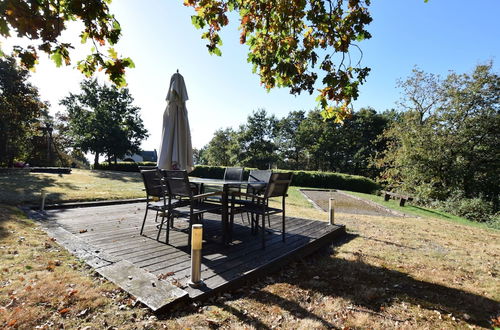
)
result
[(63, 311), (83, 231), (11, 323), (71, 293)]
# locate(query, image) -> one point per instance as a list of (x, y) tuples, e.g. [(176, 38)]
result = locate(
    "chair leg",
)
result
[(161, 227), (283, 226), (191, 221), (144, 221), (169, 220), (263, 229)]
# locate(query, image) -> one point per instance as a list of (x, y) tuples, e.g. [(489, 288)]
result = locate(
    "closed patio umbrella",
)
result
[(176, 152)]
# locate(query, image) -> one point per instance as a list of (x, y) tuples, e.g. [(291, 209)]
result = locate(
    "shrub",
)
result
[(474, 209)]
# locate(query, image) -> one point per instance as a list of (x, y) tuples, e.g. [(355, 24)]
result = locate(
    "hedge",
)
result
[(309, 179), (122, 166)]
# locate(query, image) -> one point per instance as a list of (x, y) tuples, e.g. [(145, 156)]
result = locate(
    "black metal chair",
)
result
[(254, 189), (157, 197), (233, 174), (258, 205), (179, 185)]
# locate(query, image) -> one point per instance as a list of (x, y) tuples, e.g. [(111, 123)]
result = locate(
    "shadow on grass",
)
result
[(376, 288), (119, 176), (439, 214), (26, 188), (370, 287)]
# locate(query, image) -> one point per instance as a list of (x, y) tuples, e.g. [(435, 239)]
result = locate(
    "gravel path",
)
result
[(344, 203)]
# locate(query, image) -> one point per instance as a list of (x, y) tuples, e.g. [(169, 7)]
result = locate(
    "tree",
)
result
[(447, 143), (289, 41), (102, 120), (218, 150), (20, 112), (290, 151), (256, 141)]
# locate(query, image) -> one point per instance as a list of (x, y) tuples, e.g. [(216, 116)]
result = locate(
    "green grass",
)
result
[(420, 211), (80, 185)]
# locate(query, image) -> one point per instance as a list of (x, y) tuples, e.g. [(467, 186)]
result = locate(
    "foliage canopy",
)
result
[(446, 142), (290, 40), (291, 43), (103, 120), (20, 112)]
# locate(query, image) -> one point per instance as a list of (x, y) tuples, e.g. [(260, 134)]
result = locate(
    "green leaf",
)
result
[(197, 22), (127, 62), (216, 51), (112, 53), (57, 58), (84, 37)]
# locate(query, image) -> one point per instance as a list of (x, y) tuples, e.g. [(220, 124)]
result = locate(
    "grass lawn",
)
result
[(389, 272), (80, 185)]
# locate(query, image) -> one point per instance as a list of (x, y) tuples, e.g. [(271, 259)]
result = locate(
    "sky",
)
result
[(437, 36)]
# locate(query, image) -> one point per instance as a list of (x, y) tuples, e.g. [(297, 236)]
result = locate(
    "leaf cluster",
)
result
[(293, 43), (43, 22)]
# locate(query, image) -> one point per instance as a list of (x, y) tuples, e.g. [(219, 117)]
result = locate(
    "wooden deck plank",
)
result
[(114, 231)]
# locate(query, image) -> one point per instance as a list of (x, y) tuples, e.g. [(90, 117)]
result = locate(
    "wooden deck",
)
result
[(107, 237)]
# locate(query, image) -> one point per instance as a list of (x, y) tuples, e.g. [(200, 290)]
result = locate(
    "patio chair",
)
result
[(255, 189), (157, 197), (258, 205), (179, 185)]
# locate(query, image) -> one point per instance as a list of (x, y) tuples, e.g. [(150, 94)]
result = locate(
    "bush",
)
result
[(310, 179), (474, 209)]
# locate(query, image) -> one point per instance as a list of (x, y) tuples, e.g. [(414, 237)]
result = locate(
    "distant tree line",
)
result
[(441, 145), (301, 141)]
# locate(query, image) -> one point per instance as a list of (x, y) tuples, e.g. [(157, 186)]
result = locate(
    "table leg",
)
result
[(225, 238)]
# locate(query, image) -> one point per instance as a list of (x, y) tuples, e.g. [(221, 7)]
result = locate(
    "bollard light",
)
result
[(331, 218), (196, 241), (44, 195)]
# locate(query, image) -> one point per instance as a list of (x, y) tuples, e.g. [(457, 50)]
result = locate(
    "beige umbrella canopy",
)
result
[(176, 152)]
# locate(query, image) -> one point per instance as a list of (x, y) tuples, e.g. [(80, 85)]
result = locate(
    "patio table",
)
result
[(225, 184)]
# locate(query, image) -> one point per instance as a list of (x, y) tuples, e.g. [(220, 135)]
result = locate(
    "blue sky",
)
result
[(437, 36)]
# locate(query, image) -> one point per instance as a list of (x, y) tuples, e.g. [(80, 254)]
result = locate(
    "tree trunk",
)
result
[(96, 159), (114, 158)]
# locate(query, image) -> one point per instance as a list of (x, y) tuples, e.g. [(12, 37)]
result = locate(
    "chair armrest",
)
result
[(247, 195), (215, 193)]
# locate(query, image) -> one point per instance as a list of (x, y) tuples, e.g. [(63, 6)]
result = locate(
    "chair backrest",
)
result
[(145, 167), (278, 184), (258, 176), (152, 183), (233, 173), (178, 183)]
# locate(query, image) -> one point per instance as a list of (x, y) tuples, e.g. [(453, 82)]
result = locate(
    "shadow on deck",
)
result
[(107, 238)]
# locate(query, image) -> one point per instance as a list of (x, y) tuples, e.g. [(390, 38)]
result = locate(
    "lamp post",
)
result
[(196, 241), (331, 217)]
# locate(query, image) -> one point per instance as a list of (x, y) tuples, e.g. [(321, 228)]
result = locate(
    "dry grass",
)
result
[(43, 285), (388, 273)]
